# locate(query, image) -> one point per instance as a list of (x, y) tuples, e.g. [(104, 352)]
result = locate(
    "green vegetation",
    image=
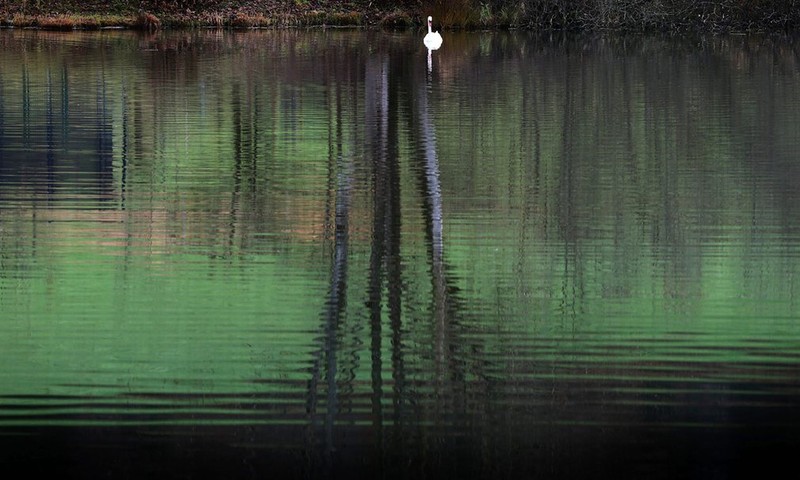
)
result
[(631, 15)]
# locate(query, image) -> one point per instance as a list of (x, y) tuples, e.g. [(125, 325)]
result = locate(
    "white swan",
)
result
[(432, 40)]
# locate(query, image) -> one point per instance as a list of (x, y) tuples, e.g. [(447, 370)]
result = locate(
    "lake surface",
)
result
[(323, 254)]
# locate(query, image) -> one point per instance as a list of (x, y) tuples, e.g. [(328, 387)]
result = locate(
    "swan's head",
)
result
[(430, 19)]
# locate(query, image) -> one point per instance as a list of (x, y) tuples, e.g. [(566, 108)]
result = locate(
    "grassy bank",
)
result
[(149, 14), (627, 15)]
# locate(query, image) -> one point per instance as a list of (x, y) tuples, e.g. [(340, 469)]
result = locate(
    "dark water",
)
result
[(315, 254)]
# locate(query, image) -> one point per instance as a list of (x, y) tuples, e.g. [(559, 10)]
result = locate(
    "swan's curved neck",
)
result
[(429, 26)]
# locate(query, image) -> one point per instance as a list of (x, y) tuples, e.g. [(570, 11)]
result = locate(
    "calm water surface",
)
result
[(323, 254)]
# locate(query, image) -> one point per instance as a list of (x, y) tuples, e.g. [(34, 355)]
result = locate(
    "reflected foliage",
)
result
[(310, 239)]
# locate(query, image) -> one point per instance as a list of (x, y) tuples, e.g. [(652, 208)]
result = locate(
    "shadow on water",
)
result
[(501, 269)]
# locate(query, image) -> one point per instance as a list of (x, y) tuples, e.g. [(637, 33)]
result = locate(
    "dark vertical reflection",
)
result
[(26, 106), (385, 272), (326, 366), (240, 155), (568, 185), (65, 99), (376, 132), (103, 131), (50, 140), (124, 147), (337, 299)]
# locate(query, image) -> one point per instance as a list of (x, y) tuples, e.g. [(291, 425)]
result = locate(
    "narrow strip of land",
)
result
[(620, 15)]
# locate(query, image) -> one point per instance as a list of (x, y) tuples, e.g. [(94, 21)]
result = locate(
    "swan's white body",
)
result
[(433, 40)]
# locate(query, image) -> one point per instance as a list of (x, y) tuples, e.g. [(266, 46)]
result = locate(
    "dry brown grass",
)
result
[(213, 19), (70, 22), (345, 19), (242, 20), (453, 13), (396, 19)]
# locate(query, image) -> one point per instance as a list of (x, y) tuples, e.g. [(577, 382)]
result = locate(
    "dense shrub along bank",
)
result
[(630, 15), (643, 15)]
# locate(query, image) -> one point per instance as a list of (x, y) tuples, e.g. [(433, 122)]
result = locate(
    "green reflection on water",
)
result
[(617, 215)]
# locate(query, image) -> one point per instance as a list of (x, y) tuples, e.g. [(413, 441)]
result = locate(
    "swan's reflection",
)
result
[(433, 193)]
